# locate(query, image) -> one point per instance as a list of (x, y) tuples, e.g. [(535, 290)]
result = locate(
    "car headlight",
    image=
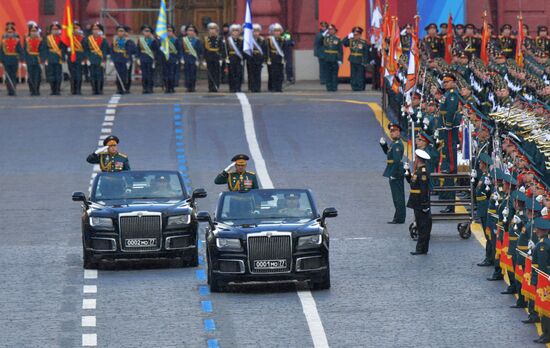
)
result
[(228, 244), (309, 241), (178, 220), (101, 223)]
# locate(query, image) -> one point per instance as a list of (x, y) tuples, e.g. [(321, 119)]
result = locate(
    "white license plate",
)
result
[(141, 242), (269, 264)]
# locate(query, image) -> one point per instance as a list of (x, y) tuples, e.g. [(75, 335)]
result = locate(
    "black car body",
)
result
[(139, 214), (255, 237)]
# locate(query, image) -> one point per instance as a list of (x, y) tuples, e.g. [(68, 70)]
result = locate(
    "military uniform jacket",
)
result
[(232, 54), (317, 45), (273, 55), (419, 197), (32, 50), (79, 49), (237, 181), (110, 163), (506, 202), (258, 57), (52, 50), (214, 48), (473, 45), (394, 164), (96, 49), (483, 195), (10, 50), (523, 242), (435, 45), (541, 258), (359, 50), (147, 54), (508, 46), (332, 48), (122, 50), (197, 45), (543, 43)]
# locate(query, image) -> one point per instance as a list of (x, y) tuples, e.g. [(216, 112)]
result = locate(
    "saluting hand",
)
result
[(230, 168), (101, 149), (382, 141)]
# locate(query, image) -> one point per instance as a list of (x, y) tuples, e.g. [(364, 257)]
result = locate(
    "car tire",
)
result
[(88, 261), (323, 282), (215, 284)]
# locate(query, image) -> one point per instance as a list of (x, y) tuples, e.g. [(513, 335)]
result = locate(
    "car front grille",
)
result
[(138, 230), (266, 252)]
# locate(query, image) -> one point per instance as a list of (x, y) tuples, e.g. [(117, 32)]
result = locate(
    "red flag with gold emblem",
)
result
[(542, 301), (518, 272), (498, 250), (527, 290), (505, 259), (67, 31)]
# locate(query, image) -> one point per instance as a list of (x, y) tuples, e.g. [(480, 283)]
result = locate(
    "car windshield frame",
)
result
[(261, 217), (133, 176)]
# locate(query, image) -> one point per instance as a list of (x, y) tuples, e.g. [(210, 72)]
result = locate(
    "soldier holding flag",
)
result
[(75, 68), (170, 61)]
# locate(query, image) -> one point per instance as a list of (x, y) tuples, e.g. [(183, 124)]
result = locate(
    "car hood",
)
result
[(241, 231), (118, 207)]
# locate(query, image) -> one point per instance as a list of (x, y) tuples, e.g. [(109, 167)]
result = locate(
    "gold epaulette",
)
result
[(250, 172), (123, 155)]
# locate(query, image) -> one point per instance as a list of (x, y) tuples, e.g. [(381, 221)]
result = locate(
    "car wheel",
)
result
[(323, 282), (88, 260), (215, 284), (464, 230)]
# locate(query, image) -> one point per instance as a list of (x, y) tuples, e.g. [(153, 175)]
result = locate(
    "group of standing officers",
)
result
[(220, 55)]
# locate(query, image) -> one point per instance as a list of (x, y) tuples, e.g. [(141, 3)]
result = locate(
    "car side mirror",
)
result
[(80, 197), (199, 193), (329, 213), (204, 216)]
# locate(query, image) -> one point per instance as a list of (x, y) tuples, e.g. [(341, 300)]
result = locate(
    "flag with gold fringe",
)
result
[(542, 301)]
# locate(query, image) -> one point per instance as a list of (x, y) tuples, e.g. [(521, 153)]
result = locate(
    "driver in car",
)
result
[(161, 186), (292, 206)]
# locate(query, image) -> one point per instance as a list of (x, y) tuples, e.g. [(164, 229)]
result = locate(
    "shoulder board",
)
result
[(123, 155), (250, 172)]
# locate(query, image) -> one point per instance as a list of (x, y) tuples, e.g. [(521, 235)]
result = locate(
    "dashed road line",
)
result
[(89, 290), (309, 306)]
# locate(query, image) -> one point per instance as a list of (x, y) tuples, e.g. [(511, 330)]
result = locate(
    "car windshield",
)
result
[(265, 205), (139, 185)]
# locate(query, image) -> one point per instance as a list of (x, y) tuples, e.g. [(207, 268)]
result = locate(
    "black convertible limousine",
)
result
[(267, 235), (139, 214)]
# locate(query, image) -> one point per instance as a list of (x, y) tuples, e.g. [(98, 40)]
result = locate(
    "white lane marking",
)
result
[(352, 238), (309, 307), (106, 130), (107, 124), (89, 289), (89, 340), (110, 111), (88, 321), (89, 303), (109, 118), (90, 274)]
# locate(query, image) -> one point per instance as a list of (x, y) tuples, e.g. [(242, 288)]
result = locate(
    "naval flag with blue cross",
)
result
[(161, 30), (248, 45)]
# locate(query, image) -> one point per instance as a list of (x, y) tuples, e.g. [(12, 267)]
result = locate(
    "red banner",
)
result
[(542, 301), (20, 12), (505, 259), (527, 290)]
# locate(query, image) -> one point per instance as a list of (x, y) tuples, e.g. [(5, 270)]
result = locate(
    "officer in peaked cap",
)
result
[(394, 172), (236, 176), (108, 157), (419, 200)]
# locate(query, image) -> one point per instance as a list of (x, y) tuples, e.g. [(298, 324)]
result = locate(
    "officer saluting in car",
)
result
[(108, 157), (236, 176)]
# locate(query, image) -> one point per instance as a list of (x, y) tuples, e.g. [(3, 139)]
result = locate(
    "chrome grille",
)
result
[(270, 246), (140, 226)]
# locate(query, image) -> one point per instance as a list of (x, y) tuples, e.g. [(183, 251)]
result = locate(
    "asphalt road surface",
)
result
[(380, 297)]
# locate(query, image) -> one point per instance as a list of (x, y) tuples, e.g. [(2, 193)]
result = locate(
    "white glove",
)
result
[(426, 210), (138, 62), (392, 178), (101, 149), (382, 141), (406, 166), (83, 63), (182, 61), (505, 212), (88, 63), (128, 65), (196, 63), (153, 65), (24, 65), (204, 64), (544, 211), (487, 181), (436, 134), (339, 63), (325, 33), (221, 62), (68, 49), (495, 196), (531, 245), (516, 219), (111, 64), (102, 64), (426, 121), (45, 63), (539, 198), (522, 189), (230, 168), (350, 36), (474, 173)]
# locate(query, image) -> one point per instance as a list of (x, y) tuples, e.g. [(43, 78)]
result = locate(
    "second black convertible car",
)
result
[(137, 214), (267, 235)]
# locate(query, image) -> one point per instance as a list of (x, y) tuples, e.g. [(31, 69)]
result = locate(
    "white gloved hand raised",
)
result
[(182, 61), (487, 181), (544, 211), (339, 63), (406, 166), (495, 196), (516, 219), (426, 121), (382, 141), (101, 149), (230, 167), (531, 245), (539, 198), (350, 36), (505, 212)]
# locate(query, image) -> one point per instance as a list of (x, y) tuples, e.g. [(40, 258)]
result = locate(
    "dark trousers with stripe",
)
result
[(11, 77), (147, 77), (276, 77), (254, 70), (122, 78), (96, 78), (235, 75), (54, 75), (357, 79), (214, 72), (169, 75), (35, 77), (190, 76), (331, 71), (75, 70), (424, 227), (397, 187)]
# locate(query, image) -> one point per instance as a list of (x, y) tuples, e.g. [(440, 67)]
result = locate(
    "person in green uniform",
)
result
[(358, 58), (32, 58), (419, 201), (97, 51), (75, 68), (318, 51), (541, 260), (236, 176), (483, 194), (11, 53), (332, 57), (394, 172), (53, 53), (108, 157)]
